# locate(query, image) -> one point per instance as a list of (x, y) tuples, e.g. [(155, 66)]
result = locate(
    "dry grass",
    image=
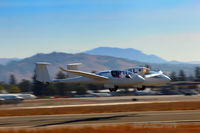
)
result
[(114, 129), (195, 105)]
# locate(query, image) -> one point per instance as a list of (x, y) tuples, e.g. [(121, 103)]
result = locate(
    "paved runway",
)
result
[(156, 117), (103, 101)]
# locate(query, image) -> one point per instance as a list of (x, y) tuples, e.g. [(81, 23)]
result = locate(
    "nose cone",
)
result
[(139, 79)]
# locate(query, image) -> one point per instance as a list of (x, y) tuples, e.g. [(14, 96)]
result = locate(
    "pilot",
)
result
[(119, 74)]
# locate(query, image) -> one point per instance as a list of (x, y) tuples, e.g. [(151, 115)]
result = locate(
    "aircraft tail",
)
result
[(73, 66), (42, 73)]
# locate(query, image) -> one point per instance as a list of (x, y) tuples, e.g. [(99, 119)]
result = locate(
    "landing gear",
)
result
[(141, 88), (113, 89)]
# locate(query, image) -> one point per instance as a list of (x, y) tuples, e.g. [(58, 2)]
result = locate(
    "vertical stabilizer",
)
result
[(73, 66), (42, 73)]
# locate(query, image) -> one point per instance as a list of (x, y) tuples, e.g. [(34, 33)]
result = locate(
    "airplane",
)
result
[(26, 96), (152, 78), (111, 79), (15, 98), (10, 99)]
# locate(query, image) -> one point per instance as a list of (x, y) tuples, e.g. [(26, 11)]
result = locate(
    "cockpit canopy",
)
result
[(121, 74), (116, 73)]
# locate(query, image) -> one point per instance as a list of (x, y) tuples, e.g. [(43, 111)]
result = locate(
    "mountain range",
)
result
[(129, 53), (24, 68), (4, 61)]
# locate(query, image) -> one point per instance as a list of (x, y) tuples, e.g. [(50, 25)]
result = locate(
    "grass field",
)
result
[(192, 105), (114, 129)]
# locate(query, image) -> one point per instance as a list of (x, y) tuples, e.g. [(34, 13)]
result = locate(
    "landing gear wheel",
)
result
[(113, 89), (141, 89)]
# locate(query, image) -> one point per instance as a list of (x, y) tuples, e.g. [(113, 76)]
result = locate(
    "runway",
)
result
[(153, 117), (101, 101), (95, 119)]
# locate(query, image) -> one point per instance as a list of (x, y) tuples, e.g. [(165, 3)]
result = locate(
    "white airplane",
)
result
[(15, 98), (111, 79), (10, 99), (26, 96)]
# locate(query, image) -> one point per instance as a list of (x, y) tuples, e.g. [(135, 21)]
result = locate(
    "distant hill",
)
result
[(23, 69), (4, 61), (194, 62), (129, 53)]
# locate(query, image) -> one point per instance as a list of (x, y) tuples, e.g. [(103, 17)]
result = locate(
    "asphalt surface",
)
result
[(102, 101), (156, 117)]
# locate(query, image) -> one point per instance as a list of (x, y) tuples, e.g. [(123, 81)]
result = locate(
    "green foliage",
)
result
[(173, 76), (39, 88), (25, 86), (13, 89), (182, 76), (50, 90), (191, 78), (80, 89), (197, 73), (95, 88), (1, 88), (63, 89)]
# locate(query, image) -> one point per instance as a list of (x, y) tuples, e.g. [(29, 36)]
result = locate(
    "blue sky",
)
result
[(167, 28)]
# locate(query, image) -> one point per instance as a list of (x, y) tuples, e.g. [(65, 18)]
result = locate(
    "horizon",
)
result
[(169, 29), (89, 50)]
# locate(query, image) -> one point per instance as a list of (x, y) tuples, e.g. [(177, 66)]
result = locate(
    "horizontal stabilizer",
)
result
[(73, 66), (41, 72), (85, 74)]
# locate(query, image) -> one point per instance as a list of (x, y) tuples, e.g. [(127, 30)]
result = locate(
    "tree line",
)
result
[(181, 76), (43, 89), (68, 90)]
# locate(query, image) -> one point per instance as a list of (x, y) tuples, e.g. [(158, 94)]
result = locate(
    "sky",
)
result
[(167, 28)]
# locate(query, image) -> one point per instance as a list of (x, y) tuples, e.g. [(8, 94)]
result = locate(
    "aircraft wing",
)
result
[(153, 74), (85, 74)]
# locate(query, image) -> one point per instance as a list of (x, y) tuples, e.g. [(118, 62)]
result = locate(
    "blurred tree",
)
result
[(80, 89), (38, 87), (13, 89), (197, 73), (49, 90), (62, 88), (95, 88), (1, 88), (181, 76), (173, 76), (25, 86), (12, 80), (61, 75), (191, 78)]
